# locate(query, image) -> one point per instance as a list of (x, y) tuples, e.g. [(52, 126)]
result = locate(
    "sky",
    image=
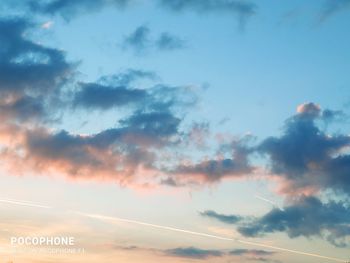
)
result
[(175, 130)]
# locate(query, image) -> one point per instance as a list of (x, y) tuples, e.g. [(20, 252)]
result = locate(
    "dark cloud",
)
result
[(228, 219), (242, 9), (306, 156), (97, 96), (205, 254), (253, 255), (166, 41), (307, 217), (153, 123), (332, 7), (113, 91), (68, 9), (119, 90), (213, 170), (28, 71), (23, 108), (26, 65), (192, 252), (116, 154), (141, 41), (256, 252), (117, 151)]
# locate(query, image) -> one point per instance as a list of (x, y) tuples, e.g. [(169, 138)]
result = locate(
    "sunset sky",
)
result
[(176, 130)]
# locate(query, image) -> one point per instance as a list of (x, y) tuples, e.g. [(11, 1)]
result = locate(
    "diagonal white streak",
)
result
[(23, 203), (118, 219), (153, 225), (290, 250), (102, 217), (268, 201)]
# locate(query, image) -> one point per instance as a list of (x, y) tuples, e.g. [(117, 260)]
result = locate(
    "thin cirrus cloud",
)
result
[(204, 254), (192, 252), (207, 254), (141, 41), (332, 7)]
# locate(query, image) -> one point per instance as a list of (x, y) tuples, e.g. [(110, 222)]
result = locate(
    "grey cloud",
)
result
[(229, 219), (255, 252), (213, 170), (25, 65), (138, 40), (28, 71), (141, 41), (68, 9), (192, 252), (206, 254), (166, 41), (97, 96), (308, 157), (332, 7), (25, 108), (242, 9), (307, 217)]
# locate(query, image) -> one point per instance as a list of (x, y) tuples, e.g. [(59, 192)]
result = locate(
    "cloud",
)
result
[(127, 153), (192, 252), (23, 108), (138, 40), (308, 217), (214, 170), (68, 9), (97, 96), (255, 252), (311, 110), (167, 41), (31, 74), (206, 254), (242, 9), (33, 86), (112, 91), (228, 219), (332, 7), (306, 157), (47, 25), (141, 41), (114, 154)]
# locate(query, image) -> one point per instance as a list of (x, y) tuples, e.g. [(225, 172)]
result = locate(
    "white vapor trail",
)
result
[(23, 203), (118, 219), (268, 201), (174, 229)]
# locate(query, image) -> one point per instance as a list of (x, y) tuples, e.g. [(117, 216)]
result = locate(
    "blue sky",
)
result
[(181, 114)]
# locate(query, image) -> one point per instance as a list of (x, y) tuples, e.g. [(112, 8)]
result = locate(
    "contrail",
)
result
[(290, 250), (268, 201), (23, 203), (118, 219), (102, 217), (152, 225)]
